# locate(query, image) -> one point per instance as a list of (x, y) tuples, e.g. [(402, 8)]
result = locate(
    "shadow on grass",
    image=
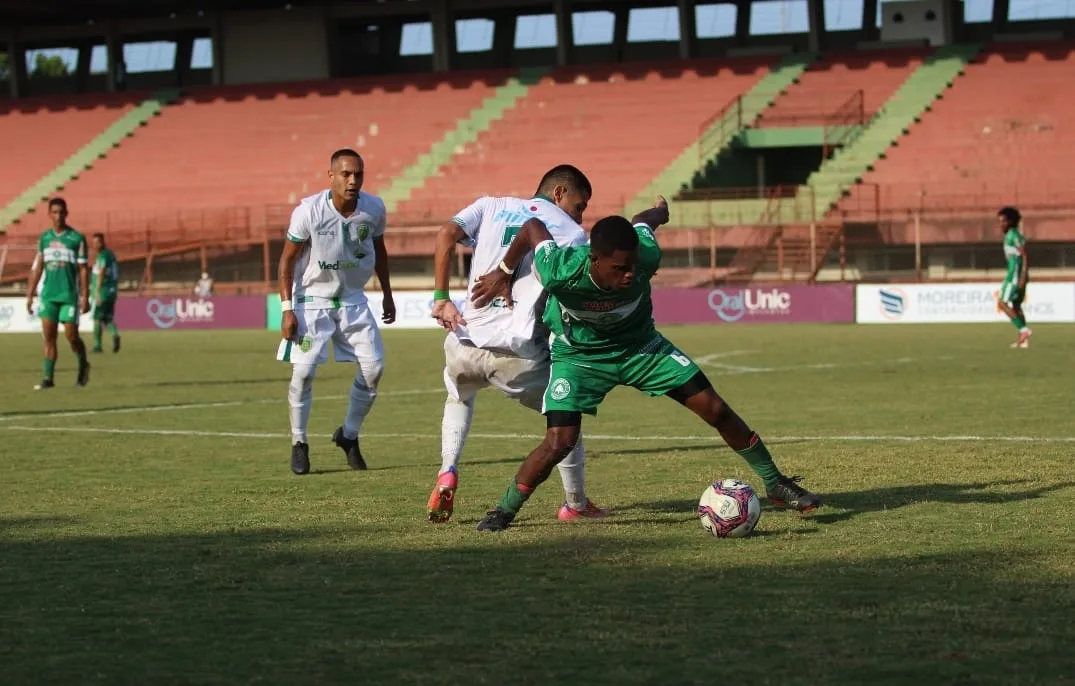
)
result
[(595, 607)]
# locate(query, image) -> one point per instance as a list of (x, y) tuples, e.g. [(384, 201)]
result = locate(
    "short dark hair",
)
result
[(611, 234), (58, 201), (1011, 214), (99, 235), (565, 175), (343, 152)]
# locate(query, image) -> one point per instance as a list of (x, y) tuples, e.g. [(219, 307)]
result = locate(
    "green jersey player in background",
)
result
[(601, 318), (1013, 290), (104, 287), (62, 261)]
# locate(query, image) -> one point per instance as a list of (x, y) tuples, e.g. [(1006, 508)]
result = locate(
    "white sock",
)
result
[(454, 428), (300, 397), (363, 393), (573, 474)]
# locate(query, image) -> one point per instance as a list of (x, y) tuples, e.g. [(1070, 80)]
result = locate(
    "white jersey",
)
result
[(490, 224), (339, 260)]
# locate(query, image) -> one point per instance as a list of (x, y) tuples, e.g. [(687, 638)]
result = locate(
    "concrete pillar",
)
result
[(216, 38), (565, 32), (742, 22), (688, 31), (443, 35), (16, 65), (815, 14)]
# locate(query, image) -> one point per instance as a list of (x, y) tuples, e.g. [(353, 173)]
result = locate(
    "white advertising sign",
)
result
[(953, 303), (15, 319), (414, 309)]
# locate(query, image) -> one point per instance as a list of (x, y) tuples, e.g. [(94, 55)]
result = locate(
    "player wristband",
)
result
[(285, 306), (441, 294), (505, 268)]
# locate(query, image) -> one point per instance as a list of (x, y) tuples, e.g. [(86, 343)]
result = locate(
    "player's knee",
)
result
[(560, 441), (302, 375), (370, 372), (717, 411)]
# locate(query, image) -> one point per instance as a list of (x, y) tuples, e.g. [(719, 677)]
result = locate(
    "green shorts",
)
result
[(1011, 294), (104, 311), (65, 313), (578, 384)]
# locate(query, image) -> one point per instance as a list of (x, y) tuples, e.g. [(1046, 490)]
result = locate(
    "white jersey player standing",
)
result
[(503, 345), (334, 244)]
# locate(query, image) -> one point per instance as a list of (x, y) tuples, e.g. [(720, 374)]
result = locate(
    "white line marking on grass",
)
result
[(594, 437), (198, 406)]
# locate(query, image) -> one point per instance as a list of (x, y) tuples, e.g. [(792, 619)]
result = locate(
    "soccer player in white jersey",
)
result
[(334, 244), (500, 345)]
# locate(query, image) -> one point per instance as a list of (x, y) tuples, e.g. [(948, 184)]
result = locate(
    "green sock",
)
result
[(97, 334), (759, 459), (1019, 322), (113, 329), (50, 367), (514, 497)]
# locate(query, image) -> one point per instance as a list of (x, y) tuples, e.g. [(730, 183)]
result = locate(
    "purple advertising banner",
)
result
[(171, 312), (757, 304)]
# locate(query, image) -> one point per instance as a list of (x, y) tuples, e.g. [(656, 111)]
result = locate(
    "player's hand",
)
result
[(84, 304), (289, 325), (495, 284), (388, 309), (661, 207), (30, 305), (447, 315)]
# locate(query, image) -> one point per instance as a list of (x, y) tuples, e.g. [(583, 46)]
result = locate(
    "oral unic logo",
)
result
[(166, 314), (733, 304)]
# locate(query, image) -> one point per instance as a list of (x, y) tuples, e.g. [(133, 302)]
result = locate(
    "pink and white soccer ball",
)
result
[(729, 509)]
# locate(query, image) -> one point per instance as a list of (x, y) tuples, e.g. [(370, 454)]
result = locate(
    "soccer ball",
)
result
[(729, 509)]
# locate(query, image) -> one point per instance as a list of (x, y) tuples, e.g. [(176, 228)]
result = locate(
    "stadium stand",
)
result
[(622, 124), (999, 136)]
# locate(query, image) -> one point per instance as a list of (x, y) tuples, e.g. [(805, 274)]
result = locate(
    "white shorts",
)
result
[(468, 369), (350, 329)]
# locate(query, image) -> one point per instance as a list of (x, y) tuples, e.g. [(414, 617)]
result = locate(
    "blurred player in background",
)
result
[(501, 344), (334, 244), (1013, 290), (61, 265), (104, 287)]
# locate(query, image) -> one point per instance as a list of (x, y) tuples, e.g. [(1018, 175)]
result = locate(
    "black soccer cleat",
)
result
[(115, 344), (350, 448), (45, 385), (300, 458), (789, 493), (83, 375), (496, 520)]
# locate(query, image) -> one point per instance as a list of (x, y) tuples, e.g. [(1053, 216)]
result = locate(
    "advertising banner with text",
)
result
[(828, 303), (414, 309), (172, 313), (921, 303)]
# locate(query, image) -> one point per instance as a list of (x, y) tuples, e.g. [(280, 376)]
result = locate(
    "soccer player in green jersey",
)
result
[(63, 261), (1013, 290), (104, 284), (600, 316)]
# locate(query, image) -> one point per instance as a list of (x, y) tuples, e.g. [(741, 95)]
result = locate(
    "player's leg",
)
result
[(662, 369), (572, 392), (525, 381), (98, 326), (50, 315), (357, 339), (464, 376), (108, 309), (309, 350), (1011, 303), (69, 319)]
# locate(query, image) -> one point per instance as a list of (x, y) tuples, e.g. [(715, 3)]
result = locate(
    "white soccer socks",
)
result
[(300, 397), (363, 393), (573, 474), (453, 431)]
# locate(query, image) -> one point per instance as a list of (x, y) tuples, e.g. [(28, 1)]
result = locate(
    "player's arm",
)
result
[(99, 272), (655, 216), (388, 305), (444, 310), (35, 278), (1024, 269), (497, 283), (298, 238), (646, 222), (83, 262)]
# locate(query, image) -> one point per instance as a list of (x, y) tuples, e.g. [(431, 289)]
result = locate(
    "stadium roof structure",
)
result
[(18, 13)]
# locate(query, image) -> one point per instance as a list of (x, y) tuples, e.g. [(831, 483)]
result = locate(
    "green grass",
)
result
[(198, 558)]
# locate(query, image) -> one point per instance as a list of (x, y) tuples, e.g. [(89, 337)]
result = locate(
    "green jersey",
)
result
[(105, 273), (62, 253), (1014, 247), (586, 320)]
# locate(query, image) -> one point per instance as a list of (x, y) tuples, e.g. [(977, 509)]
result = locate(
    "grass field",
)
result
[(151, 532)]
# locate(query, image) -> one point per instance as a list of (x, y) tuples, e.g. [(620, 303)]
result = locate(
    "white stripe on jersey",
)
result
[(490, 224), (333, 271)]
